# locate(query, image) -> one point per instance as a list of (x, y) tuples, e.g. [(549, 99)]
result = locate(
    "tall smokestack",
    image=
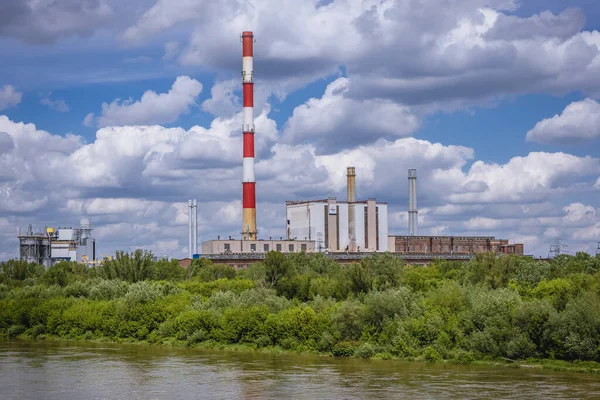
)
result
[(195, 232), (412, 203), (351, 176), (248, 179), (191, 226)]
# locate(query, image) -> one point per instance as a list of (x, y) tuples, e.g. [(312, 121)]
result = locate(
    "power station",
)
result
[(63, 244), (345, 230)]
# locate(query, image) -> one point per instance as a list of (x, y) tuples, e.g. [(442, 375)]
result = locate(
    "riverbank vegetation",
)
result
[(490, 308)]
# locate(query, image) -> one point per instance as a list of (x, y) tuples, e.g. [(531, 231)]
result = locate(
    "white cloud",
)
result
[(44, 21), (152, 108), (223, 101), (89, 120), (580, 121), (171, 51), (335, 122), (474, 53), (9, 97), (58, 105), (529, 178), (578, 212)]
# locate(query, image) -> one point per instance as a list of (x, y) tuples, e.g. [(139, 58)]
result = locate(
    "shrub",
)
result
[(142, 292), (15, 330), (365, 350), (344, 349), (431, 354)]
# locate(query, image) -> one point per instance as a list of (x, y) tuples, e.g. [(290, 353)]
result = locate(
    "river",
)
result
[(84, 370)]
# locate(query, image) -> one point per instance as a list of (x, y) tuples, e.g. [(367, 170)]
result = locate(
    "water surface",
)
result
[(82, 370)]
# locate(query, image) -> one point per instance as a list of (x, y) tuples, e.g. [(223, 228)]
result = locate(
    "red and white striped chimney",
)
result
[(248, 179)]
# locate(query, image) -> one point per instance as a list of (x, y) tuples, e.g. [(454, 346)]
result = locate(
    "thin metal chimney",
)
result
[(412, 203), (195, 232), (191, 228), (351, 187)]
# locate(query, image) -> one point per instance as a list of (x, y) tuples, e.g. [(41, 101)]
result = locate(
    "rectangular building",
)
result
[(228, 246), (452, 245), (326, 223)]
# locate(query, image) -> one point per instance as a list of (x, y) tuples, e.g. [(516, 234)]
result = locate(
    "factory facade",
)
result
[(232, 246), (452, 245), (327, 223), (63, 244)]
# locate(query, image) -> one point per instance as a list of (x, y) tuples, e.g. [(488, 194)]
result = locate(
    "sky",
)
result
[(122, 112)]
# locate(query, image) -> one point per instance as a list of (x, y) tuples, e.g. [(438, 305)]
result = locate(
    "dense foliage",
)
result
[(489, 308)]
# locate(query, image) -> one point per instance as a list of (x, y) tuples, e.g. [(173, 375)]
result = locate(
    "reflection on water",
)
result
[(79, 370)]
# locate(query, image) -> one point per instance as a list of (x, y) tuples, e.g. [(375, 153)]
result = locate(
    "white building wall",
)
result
[(383, 227), (359, 222), (317, 216), (343, 224), (301, 216), (65, 234), (298, 217)]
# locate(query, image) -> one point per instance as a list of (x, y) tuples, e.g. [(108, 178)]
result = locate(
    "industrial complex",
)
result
[(63, 244), (345, 230)]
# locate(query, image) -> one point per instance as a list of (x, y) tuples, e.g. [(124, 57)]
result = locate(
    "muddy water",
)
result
[(65, 370)]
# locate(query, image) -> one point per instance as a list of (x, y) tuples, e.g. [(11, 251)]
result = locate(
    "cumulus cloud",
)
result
[(478, 51), (223, 100), (580, 121), (152, 108), (134, 182), (44, 21), (9, 97), (530, 178), (56, 104), (171, 51), (546, 24), (335, 122)]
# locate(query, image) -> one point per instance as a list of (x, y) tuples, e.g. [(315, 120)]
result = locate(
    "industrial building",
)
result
[(230, 246), (326, 222), (63, 244), (451, 245)]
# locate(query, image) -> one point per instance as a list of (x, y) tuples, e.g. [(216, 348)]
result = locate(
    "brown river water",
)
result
[(83, 370)]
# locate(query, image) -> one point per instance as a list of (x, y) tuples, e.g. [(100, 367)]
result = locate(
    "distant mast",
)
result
[(412, 203)]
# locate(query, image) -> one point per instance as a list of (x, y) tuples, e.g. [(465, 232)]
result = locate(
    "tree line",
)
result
[(489, 308)]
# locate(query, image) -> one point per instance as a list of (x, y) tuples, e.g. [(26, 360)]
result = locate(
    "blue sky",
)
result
[(469, 100)]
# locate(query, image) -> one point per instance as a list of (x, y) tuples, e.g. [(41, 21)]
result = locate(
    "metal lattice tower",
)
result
[(412, 203), (556, 249), (598, 250)]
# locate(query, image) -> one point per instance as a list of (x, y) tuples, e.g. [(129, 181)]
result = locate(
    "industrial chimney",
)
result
[(412, 203), (191, 227), (195, 232), (248, 179), (351, 176)]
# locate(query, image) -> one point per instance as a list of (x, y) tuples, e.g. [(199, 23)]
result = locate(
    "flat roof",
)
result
[(258, 240), (445, 237), (296, 202)]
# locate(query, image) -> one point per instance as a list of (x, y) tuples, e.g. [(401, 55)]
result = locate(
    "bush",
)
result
[(15, 330), (431, 354), (365, 350), (344, 349)]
